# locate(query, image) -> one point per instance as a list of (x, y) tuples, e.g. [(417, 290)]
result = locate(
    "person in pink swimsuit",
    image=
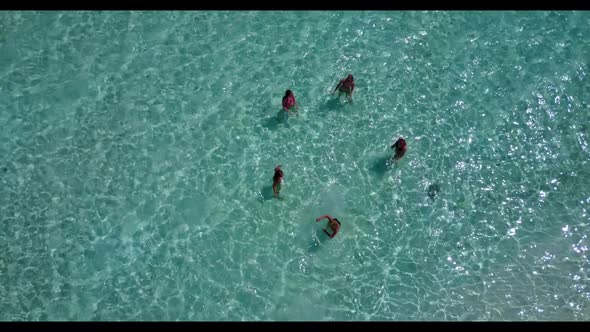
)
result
[(347, 86), (289, 102), (400, 147)]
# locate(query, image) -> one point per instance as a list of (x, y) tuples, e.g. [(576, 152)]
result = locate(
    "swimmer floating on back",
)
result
[(289, 102), (333, 223)]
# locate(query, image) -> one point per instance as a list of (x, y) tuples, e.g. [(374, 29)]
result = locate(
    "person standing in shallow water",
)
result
[(277, 179), (347, 86), (400, 147), (289, 102)]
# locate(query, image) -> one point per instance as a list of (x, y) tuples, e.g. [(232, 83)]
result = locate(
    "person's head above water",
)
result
[(288, 93), (400, 145), (402, 142), (278, 173), (349, 77)]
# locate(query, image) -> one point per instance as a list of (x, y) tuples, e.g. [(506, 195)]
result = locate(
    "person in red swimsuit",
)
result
[(347, 86), (289, 102), (333, 223), (400, 147)]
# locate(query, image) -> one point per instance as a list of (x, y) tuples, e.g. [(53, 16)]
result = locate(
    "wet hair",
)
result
[(338, 221), (350, 77), (288, 93)]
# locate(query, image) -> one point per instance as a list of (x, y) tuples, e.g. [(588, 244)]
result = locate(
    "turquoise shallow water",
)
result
[(137, 152)]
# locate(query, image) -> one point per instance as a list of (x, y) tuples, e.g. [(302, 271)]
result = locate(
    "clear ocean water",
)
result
[(137, 152)]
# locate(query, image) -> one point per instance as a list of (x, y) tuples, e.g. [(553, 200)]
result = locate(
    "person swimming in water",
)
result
[(289, 102), (347, 86), (433, 190), (400, 147), (333, 223), (277, 179)]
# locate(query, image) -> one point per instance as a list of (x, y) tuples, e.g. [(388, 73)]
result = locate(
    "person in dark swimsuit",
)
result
[(333, 223), (277, 179), (400, 147), (347, 86), (289, 102)]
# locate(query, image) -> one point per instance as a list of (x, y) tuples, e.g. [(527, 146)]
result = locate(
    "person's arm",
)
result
[(334, 233), (337, 86), (322, 217)]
